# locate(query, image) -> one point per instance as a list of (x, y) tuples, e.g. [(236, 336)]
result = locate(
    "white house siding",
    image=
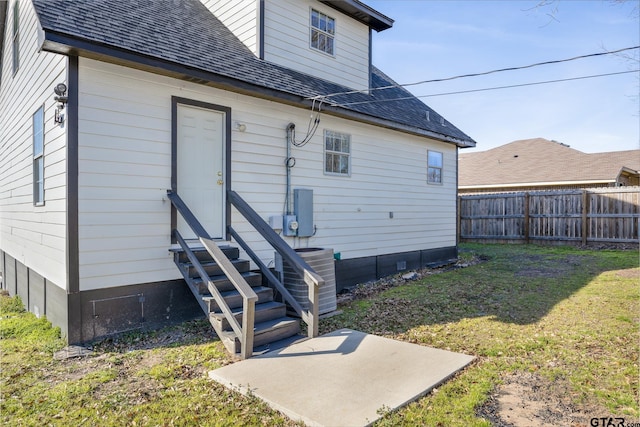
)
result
[(287, 42), (239, 16), (388, 176), (33, 235), (125, 163)]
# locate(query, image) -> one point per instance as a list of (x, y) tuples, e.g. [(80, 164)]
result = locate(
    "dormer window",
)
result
[(323, 30)]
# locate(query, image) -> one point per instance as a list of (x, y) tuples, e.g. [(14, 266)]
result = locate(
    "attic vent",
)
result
[(442, 122), (427, 115)]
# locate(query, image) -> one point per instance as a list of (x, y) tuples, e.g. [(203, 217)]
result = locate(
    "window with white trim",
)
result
[(38, 157), (15, 38), (434, 167), (323, 30), (337, 153)]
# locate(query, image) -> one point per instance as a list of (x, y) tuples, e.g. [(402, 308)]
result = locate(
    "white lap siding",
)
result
[(125, 169), (124, 172), (287, 39), (33, 235), (241, 17), (287, 42)]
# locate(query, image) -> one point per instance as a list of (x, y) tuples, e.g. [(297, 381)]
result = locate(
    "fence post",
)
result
[(585, 210), (526, 216)]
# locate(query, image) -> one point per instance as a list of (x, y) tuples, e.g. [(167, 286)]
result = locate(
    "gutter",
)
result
[(365, 118)]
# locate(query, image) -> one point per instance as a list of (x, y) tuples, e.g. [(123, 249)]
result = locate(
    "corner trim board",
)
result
[(73, 258), (261, 10)]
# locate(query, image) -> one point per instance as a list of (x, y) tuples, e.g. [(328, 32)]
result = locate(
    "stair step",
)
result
[(266, 332), (234, 299), (264, 312), (279, 344), (201, 253), (213, 269), (271, 324), (224, 284)]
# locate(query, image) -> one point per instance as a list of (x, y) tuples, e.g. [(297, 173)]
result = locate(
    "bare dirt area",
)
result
[(550, 267), (629, 274), (529, 400)]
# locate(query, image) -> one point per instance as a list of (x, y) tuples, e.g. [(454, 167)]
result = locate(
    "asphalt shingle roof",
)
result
[(184, 32), (539, 160)]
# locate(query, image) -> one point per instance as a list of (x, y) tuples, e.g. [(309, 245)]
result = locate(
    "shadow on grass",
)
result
[(518, 284)]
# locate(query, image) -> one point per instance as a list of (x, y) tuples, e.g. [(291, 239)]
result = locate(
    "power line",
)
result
[(486, 89), (500, 70)]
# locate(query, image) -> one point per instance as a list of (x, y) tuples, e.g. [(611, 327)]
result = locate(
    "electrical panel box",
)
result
[(303, 209), (275, 222)]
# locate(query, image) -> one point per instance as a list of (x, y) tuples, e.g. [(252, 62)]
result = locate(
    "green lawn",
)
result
[(569, 316)]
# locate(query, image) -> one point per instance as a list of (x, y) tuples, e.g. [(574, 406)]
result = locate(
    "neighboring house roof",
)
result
[(183, 39), (538, 162)]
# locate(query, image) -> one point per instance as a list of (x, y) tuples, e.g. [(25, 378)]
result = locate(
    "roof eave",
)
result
[(72, 46), (361, 12), (628, 171), (66, 45), (365, 118)]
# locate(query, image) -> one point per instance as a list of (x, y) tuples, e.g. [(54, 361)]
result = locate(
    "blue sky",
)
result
[(433, 39)]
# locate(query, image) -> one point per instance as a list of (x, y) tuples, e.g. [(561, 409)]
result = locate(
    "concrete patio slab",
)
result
[(345, 378)]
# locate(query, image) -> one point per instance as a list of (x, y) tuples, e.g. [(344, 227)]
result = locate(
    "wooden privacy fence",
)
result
[(582, 216)]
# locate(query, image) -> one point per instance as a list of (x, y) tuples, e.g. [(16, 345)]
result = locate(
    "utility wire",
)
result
[(537, 64), (485, 89), (312, 127)]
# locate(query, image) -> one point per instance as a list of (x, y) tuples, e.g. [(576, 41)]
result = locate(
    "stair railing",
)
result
[(243, 332), (300, 266)]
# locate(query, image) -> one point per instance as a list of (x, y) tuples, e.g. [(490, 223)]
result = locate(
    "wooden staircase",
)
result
[(271, 324), (241, 310)]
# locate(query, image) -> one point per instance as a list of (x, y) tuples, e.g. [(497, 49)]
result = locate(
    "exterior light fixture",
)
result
[(61, 97), (240, 127)]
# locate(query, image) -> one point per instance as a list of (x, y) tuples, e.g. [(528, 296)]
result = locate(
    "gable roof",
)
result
[(539, 161), (184, 40)]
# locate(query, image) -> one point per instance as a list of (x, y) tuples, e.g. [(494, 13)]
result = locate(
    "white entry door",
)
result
[(200, 168)]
